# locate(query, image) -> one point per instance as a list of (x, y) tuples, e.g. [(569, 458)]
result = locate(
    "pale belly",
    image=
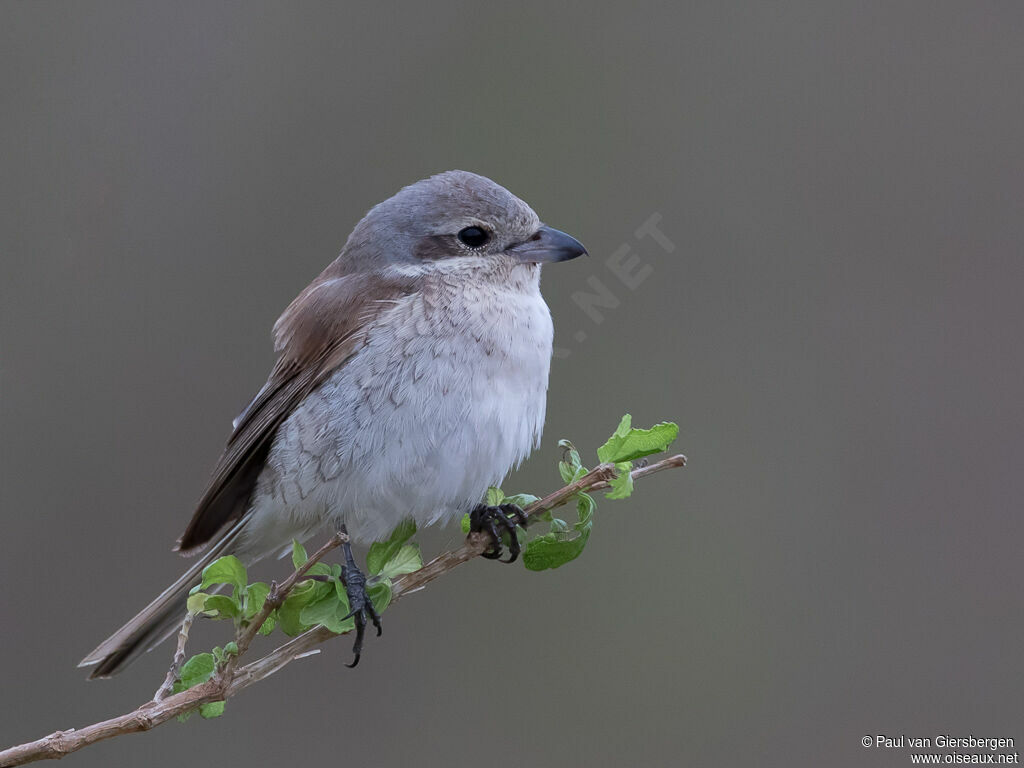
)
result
[(417, 424)]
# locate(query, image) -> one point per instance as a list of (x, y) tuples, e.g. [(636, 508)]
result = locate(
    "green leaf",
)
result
[(627, 444), (320, 612), (268, 625), (562, 544), (465, 524), (319, 569), (224, 570), (255, 596), (570, 467), (406, 560), (382, 551), (340, 591), (222, 607), (299, 556), (380, 595), (211, 709), (495, 496), (585, 506), (288, 619), (196, 602), (521, 500), (231, 649), (330, 612), (196, 670), (551, 551), (622, 483), (304, 593)]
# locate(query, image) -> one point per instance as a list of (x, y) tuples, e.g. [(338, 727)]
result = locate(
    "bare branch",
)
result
[(179, 658), (233, 678)]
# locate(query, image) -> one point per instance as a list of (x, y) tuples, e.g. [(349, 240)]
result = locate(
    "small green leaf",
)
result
[(193, 672), (627, 444), (268, 625), (330, 612), (321, 612), (585, 506), (622, 483), (562, 544), (288, 619), (196, 670), (305, 592), (549, 551), (224, 570), (196, 602), (319, 569), (521, 500), (382, 551), (211, 709), (570, 467), (495, 496), (299, 556), (406, 560), (222, 607), (231, 649), (255, 596), (465, 523), (380, 595)]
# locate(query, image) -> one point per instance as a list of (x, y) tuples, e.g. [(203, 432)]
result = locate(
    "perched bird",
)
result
[(411, 375)]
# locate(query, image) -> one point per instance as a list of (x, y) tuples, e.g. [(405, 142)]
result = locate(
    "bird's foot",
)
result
[(504, 518), (361, 606)]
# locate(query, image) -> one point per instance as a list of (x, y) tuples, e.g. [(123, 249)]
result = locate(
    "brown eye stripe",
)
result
[(433, 248)]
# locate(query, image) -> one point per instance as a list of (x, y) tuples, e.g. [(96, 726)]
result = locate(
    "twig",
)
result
[(276, 596), (179, 658), (233, 678)]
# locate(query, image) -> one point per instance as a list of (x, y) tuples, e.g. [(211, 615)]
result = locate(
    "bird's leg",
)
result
[(358, 600), (494, 521)]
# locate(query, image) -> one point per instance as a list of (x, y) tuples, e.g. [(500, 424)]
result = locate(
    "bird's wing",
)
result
[(321, 330)]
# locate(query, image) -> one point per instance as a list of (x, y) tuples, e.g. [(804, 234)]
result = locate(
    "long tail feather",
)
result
[(158, 620)]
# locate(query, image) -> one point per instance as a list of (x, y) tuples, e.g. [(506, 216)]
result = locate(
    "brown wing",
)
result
[(319, 332)]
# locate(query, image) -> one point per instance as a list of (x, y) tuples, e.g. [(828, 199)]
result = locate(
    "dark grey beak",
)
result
[(548, 244)]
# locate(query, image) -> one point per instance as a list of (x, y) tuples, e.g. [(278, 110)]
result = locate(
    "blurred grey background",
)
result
[(837, 331)]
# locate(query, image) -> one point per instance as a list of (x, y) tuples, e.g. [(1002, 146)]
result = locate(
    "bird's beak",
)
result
[(548, 244)]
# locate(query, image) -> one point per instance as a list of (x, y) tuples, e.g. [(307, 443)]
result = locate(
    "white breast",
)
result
[(447, 396)]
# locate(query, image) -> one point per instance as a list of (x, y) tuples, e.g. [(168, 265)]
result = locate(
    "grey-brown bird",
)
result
[(411, 375)]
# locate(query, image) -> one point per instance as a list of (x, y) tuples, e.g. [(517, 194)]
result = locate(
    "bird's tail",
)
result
[(158, 620)]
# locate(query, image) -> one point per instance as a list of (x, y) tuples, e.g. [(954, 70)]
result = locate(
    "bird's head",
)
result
[(454, 219)]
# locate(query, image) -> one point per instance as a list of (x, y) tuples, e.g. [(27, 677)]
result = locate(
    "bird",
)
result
[(410, 376)]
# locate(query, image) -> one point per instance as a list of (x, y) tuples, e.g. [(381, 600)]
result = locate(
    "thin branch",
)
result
[(277, 595), (179, 658), (233, 678)]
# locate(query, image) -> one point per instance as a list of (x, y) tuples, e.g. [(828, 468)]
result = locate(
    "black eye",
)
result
[(474, 237)]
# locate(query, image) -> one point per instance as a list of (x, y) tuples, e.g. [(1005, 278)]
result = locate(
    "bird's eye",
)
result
[(474, 237)]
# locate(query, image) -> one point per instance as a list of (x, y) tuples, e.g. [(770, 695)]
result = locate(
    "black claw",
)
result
[(375, 618), (360, 603), (508, 517), (491, 526)]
